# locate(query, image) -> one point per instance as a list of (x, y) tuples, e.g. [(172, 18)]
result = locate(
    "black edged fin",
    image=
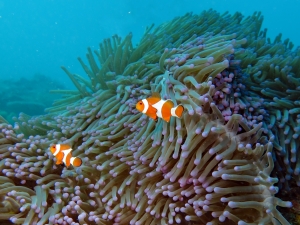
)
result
[(152, 110), (170, 103), (153, 116), (156, 94)]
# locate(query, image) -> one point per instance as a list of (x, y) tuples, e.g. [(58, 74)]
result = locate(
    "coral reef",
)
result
[(30, 96), (213, 166)]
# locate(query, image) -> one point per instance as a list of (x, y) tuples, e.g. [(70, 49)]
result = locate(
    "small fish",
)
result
[(155, 107), (62, 153)]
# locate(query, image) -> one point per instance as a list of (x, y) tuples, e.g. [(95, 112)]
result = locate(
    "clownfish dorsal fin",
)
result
[(154, 98), (169, 104), (155, 95)]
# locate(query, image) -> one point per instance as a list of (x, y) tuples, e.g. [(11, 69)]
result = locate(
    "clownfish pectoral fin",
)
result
[(154, 117), (152, 113), (151, 110), (59, 156)]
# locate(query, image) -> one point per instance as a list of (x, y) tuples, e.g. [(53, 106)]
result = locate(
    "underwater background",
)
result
[(40, 36), (135, 170)]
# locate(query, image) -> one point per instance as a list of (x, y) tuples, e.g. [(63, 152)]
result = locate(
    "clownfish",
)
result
[(62, 153), (155, 107)]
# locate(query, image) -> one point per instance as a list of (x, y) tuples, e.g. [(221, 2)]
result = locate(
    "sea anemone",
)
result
[(212, 166)]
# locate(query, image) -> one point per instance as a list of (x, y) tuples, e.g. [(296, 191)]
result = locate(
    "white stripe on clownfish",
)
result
[(146, 105), (66, 153), (57, 147), (173, 113), (155, 107), (159, 106), (72, 160), (62, 153)]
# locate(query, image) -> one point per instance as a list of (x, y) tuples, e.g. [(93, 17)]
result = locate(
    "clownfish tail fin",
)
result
[(177, 111), (75, 161)]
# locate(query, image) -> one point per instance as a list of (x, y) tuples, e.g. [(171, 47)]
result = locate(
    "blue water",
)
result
[(38, 36)]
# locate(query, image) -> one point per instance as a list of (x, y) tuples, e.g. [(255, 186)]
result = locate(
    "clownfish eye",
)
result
[(141, 103)]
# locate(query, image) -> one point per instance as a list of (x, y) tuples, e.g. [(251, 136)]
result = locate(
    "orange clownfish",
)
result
[(155, 107), (62, 153)]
